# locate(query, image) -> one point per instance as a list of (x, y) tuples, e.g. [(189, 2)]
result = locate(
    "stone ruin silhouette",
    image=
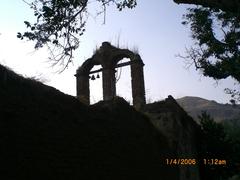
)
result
[(108, 57)]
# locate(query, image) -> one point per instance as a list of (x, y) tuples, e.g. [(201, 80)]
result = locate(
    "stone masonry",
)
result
[(108, 57)]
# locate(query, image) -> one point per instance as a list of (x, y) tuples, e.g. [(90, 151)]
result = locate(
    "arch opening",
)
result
[(123, 81), (95, 85)]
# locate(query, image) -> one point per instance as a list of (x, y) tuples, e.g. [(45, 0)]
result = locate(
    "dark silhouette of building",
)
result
[(108, 57)]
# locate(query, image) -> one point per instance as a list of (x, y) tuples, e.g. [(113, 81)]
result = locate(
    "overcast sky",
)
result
[(153, 27)]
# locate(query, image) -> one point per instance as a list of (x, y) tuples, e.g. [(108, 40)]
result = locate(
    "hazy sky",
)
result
[(153, 27)]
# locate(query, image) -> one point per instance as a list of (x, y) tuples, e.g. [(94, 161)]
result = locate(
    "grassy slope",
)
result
[(46, 134)]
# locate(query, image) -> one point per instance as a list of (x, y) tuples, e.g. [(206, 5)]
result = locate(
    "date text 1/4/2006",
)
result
[(181, 161)]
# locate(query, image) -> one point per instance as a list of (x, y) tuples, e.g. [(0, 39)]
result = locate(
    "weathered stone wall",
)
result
[(138, 87), (109, 84), (46, 134), (108, 56), (83, 89), (180, 129)]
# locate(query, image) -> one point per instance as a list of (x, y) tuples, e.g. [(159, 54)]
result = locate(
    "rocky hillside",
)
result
[(46, 134), (195, 105)]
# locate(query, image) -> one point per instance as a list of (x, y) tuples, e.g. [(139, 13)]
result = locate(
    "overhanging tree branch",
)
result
[(60, 24), (216, 33), (225, 5)]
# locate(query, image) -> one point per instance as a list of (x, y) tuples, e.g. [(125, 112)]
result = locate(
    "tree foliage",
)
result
[(216, 52), (217, 141), (224, 5), (60, 23)]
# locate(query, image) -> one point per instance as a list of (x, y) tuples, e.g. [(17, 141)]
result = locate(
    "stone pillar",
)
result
[(83, 88), (138, 87), (109, 83)]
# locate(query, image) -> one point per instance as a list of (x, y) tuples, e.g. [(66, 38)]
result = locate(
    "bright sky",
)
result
[(153, 27)]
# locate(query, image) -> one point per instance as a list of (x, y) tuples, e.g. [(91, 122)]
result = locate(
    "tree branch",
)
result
[(225, 5)]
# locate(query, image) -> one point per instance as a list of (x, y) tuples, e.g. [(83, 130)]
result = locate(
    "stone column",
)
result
[(138, 87), (109, 83), (83, 88)]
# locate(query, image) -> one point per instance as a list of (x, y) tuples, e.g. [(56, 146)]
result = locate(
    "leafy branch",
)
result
[(216, 52), (60, 24)]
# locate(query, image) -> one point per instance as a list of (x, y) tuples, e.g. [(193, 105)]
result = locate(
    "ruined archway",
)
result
[(108, 56)]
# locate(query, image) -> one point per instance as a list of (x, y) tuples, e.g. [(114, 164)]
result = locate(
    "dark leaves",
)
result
[(217, 43), (217, 34), (19, 35), (60, 23), (27, 24), (126, 3)]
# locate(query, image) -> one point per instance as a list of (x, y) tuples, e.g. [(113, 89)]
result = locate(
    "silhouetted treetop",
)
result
[(216, 32), (225, 5), (217, 37)]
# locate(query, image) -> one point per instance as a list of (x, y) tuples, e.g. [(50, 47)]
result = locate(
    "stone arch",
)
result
[(108, 56)]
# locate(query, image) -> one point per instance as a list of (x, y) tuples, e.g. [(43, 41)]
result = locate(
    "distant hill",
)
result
[(195, 105)]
